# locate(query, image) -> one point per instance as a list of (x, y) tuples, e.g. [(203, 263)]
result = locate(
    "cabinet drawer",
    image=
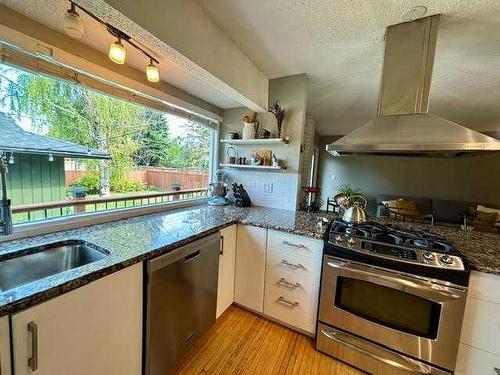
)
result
[(471, 361), (481, 326), (293, 282), (301, 265), (298, 311), (295, 244)]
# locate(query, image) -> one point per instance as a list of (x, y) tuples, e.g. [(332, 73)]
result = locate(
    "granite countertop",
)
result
[(144, 237), (480, 249), (140, 238)]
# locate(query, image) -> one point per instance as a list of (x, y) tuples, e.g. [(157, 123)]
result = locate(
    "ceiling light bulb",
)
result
[(11, 159), (152, 72), (117, 52), (51, 157), (73, 24)]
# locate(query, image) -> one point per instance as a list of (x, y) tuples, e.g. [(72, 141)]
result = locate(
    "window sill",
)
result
[(83, 220)]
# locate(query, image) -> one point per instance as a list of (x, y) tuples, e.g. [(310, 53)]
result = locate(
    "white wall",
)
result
[(273, 189), (185, 27)]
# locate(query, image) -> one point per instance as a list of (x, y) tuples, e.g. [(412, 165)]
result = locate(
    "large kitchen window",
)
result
[(71, 149)]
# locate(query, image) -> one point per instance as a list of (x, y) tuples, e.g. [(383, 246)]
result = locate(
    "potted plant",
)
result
[(346, 191)]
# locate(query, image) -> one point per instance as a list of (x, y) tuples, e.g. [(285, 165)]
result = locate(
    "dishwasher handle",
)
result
[(184, 253), (191, 256)]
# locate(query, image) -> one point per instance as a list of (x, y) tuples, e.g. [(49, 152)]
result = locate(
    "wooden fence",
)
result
[(161, 178)]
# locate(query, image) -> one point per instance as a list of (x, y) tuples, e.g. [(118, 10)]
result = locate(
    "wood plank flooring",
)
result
[(241, 342)]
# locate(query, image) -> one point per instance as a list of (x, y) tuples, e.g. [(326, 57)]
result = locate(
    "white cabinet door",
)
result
[(479, 351), (250, 267), (227, 259), (4, 346), (95, 329), (472, 361)]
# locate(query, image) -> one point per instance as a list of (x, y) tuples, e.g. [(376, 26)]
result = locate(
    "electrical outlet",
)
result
[(268, 188)]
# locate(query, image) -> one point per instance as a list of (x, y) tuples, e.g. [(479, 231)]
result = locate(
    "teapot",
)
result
[(355, 213)]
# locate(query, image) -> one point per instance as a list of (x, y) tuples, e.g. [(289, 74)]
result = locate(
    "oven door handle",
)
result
[(425, 288), (399, 360)]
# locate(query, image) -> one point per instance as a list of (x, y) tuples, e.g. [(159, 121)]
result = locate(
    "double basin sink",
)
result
[(48, 260)]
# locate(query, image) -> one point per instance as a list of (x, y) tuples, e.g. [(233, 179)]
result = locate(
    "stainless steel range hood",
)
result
[(403, 126)]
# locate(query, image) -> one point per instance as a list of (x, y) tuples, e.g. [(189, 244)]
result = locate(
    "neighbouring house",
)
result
[(36, 163)]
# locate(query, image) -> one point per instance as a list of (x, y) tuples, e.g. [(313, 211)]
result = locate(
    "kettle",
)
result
[(356, 213)]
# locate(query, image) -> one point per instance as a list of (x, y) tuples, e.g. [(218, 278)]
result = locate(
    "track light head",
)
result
[(152, 72), (117, 52), (73, 24)]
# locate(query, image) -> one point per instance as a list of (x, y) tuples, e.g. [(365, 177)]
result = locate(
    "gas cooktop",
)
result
[(394, 244)]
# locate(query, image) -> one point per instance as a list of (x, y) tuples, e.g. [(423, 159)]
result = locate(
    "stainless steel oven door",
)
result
[(410, 314)]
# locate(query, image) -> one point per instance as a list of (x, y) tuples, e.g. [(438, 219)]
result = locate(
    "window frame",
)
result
[(36, 63)]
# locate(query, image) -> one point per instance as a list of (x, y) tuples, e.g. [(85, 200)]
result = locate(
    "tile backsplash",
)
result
[(268, 189)]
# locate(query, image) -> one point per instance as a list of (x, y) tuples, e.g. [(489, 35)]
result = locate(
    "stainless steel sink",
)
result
[(47, 260)]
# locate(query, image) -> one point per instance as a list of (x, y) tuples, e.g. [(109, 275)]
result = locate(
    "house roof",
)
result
[(14, 139)]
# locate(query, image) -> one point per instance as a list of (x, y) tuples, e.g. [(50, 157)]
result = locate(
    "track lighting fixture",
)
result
[(73, 24)]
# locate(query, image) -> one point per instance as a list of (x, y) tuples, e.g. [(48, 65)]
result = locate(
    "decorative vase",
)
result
[(250, 130)]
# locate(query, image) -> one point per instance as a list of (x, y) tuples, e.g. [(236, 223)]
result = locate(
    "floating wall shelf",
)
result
[(260, 167), (269, 141)]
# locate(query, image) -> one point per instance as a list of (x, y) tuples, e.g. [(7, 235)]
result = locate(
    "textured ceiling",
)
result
[(51, 13), (339, 44)]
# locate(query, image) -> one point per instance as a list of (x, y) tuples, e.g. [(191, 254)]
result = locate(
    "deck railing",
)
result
[(41, 211)]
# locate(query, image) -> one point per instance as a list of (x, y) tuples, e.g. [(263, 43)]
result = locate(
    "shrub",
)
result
[(124, 185), (91, 181)]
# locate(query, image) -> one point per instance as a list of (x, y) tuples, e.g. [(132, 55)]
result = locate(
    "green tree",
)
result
[(132, 134), (71, 112)]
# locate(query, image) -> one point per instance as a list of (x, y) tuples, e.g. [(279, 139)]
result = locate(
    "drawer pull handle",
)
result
[(288, 284), (33, 360), (292, 265), (285, 302), (300, 246)]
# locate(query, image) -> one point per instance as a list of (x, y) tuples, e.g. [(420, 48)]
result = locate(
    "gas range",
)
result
[(391, 246)]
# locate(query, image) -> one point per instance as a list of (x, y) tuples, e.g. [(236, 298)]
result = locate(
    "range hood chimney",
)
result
[(403, 126)]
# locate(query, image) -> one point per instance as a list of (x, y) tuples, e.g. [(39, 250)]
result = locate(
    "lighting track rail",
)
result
[(73, 26)]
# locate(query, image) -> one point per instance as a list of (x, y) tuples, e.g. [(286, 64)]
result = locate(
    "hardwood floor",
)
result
[(241, 342)]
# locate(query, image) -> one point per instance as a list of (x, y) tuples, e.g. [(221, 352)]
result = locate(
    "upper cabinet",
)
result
[(95, 329)]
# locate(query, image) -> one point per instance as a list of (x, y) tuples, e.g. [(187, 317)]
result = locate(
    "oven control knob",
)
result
[(428, 256), (446, 259), (339, 238), (351, 240)]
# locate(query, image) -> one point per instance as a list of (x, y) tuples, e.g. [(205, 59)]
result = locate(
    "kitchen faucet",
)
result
[(5, 209)]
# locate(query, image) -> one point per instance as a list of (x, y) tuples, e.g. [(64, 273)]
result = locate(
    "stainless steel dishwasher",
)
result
[(181, 302)]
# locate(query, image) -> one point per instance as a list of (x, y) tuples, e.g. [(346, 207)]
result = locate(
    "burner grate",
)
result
[(394, 235)]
